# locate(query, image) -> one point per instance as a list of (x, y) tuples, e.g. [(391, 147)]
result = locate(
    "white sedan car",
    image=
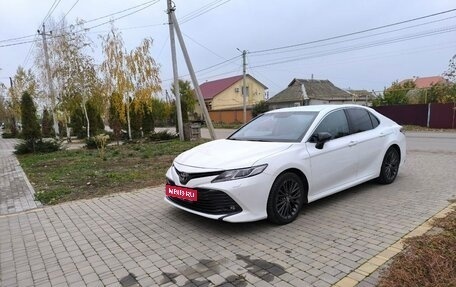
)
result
[(275, 164)]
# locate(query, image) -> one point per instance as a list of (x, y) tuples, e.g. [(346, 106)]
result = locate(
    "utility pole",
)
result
[(180, 125), (199, 94), (244, 88), (49, 79)]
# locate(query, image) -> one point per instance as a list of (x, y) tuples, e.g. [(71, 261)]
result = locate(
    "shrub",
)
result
[(8, 135), (101, 141), (93, 142), (163, 135), (40, 146), (260, 108), (90, 143)]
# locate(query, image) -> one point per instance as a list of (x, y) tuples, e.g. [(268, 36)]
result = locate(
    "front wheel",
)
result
[(390, 166), (285, 199)]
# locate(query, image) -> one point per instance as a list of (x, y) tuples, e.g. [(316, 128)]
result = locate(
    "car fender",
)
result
[(295, 157)]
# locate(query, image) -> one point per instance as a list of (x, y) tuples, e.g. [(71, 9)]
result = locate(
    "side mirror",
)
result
[(320, 139)]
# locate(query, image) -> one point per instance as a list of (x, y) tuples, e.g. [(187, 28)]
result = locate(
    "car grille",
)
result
[(209, 201)]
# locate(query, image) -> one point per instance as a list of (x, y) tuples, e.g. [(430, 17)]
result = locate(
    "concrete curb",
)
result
[(363, 271), (29, 185)]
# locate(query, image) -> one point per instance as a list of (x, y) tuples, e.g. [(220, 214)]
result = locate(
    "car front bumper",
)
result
[(249, 194)]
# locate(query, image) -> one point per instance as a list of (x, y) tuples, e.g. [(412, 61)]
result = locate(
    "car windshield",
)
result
[(276, 127)]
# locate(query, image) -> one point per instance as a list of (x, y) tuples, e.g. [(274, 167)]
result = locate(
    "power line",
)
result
[(48, 14), (202, 10), (201, 45), (18, 43), (193, 15), (357, 59), (353, 39), (363, 46), (29, 53), (51, 10), (92, 20), (210, 67), (124, 10), (120, 17), (68, 12), (196, 11), (353, 33), (85, 29), (380, 42), (17, 38)]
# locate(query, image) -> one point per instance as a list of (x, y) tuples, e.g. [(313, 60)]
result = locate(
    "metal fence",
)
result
[(441, 116), (230, 116)]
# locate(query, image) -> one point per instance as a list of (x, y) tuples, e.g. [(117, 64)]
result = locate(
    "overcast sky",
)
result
[(217, 28)]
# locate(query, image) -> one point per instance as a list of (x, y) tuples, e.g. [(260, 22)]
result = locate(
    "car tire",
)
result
[(285, 199), (390, 166)]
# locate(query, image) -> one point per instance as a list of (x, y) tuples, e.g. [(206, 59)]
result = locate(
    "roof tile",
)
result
[(213, 88)]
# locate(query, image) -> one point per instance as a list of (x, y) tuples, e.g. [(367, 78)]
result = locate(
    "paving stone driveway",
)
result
[(133, 239), (16, 193)]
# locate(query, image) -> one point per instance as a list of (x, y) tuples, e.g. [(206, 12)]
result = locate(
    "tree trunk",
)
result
[(128, 120), (55, 124), (87, 118), (68, 131)]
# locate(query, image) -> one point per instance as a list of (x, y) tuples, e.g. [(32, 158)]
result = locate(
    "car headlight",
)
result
[(240, 173)]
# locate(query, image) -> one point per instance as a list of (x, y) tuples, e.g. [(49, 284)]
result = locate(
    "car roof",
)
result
[(314, 108)]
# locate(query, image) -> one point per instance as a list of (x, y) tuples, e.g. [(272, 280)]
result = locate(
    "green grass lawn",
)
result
[(76, 174)]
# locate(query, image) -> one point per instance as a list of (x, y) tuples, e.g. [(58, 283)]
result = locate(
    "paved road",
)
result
[(431, 141), (16, 193), (134, 238)]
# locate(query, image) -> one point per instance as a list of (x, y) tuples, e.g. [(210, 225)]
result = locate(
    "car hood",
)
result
[(229, 154)]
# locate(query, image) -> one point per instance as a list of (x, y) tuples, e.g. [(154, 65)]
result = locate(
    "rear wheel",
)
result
[(285, 199), (390, 166)]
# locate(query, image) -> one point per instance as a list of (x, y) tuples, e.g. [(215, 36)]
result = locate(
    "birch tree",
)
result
[(133, 75), (450, 74), (73, 71)]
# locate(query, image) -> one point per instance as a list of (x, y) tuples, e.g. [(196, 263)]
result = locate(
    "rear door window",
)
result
[(360, 120), (375, 121)]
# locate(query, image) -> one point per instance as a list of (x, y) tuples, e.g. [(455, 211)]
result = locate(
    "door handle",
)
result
[(352, 143)]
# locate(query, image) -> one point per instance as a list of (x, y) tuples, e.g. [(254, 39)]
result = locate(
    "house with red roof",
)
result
[(225, 94), (426, 82), (418, 95)]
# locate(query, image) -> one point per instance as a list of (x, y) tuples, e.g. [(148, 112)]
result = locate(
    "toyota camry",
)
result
[(283, 159)]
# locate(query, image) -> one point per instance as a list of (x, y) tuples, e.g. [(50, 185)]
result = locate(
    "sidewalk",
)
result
[(16, 192)]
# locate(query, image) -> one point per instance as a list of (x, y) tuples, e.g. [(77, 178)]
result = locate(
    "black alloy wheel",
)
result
[(390, 166), (285, 199)]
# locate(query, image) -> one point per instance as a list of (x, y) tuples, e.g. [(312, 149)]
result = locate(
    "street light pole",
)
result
[(244, 87)]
